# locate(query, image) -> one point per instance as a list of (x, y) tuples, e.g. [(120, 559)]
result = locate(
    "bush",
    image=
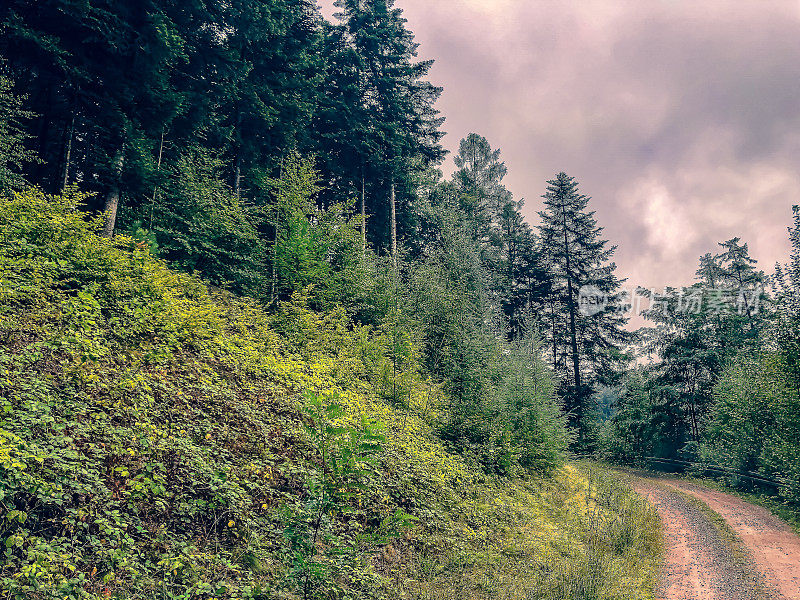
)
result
[(155, 441), (755, 422)]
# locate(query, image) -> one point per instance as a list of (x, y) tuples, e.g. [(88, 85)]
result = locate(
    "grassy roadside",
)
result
[(789, 514), (622, 543)]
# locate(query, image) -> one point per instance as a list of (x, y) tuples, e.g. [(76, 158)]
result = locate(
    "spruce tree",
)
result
[(508, 246), (399, 120), (523, 281), (480, 179), (104, 68), (586, 345)]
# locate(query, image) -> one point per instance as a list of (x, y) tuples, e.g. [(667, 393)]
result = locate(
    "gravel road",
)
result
[(699, 563), (773, 546)]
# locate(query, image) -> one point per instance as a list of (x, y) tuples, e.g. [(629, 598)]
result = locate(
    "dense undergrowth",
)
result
[(161, 439)]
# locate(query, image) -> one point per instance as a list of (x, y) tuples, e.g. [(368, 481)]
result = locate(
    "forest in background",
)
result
[(295, 163), (275, 153)]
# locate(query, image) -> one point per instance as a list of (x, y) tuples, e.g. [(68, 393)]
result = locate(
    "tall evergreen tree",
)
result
[(99, 74), (524, 281), (586, 345), (271, 87), (480, 179), (509, 250), (398, 118)]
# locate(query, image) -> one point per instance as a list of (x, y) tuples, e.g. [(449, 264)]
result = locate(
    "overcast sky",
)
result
[(680, 118)]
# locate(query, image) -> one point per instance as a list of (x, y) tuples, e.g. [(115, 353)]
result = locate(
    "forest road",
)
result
[(702, 563)]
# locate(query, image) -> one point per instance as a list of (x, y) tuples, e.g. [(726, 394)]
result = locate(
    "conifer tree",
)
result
[(110, 63), (586, 346), (398, 118), (479, 178), (698, 329), (509, 252), (523, 281)]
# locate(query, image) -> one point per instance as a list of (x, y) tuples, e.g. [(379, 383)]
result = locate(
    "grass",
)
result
[(584, 535), (624, 545)]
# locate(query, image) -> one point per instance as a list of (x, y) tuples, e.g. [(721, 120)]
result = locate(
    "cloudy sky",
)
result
[(680, 118)]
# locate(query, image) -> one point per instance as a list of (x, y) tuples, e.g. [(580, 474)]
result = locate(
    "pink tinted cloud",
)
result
[(681, 119)]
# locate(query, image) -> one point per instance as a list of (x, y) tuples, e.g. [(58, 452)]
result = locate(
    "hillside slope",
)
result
[(160, 439)]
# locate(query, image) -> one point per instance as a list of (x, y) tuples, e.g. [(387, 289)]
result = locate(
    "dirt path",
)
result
[(774, 547), (699, 564)]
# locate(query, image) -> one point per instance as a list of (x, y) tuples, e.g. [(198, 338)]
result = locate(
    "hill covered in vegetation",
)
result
[(255, 344), (163, 439)]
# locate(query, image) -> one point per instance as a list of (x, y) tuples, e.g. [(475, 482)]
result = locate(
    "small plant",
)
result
[(336, 487)]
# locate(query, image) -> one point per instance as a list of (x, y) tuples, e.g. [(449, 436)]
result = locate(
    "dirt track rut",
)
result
[(701, 563)]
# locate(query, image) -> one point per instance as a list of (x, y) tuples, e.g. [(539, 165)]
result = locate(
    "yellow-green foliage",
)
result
[(153, 445)]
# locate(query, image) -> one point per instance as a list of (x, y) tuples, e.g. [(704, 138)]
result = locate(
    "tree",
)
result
[(398, 119), (200, 225), (109, 63), (14, 154), (271, 89), (310, 247), (524, 282), (753, 423), (787, 289), (586, 346), (698, 329), (479, 178), (501, 407)]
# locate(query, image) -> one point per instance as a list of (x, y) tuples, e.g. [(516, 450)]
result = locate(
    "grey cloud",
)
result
[(681, 119)]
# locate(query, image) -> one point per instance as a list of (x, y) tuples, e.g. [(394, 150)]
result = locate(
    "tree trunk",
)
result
[(237, 176), (273, 286), (47, 170), (555, 338), (573, 330), (363, 214), (112, 197), (68, 154), (393, 206), (274, 272), (112, 204), (155, 189), (237, 167)]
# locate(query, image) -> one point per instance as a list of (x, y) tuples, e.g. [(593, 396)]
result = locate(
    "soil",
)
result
[(703, 563), (773, 546), (699, 564)]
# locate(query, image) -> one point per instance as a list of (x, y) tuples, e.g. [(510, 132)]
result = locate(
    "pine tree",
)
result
[(524, 281), (480, 179), (98, 73), (586, 345), (271, 87), (399, 121)]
